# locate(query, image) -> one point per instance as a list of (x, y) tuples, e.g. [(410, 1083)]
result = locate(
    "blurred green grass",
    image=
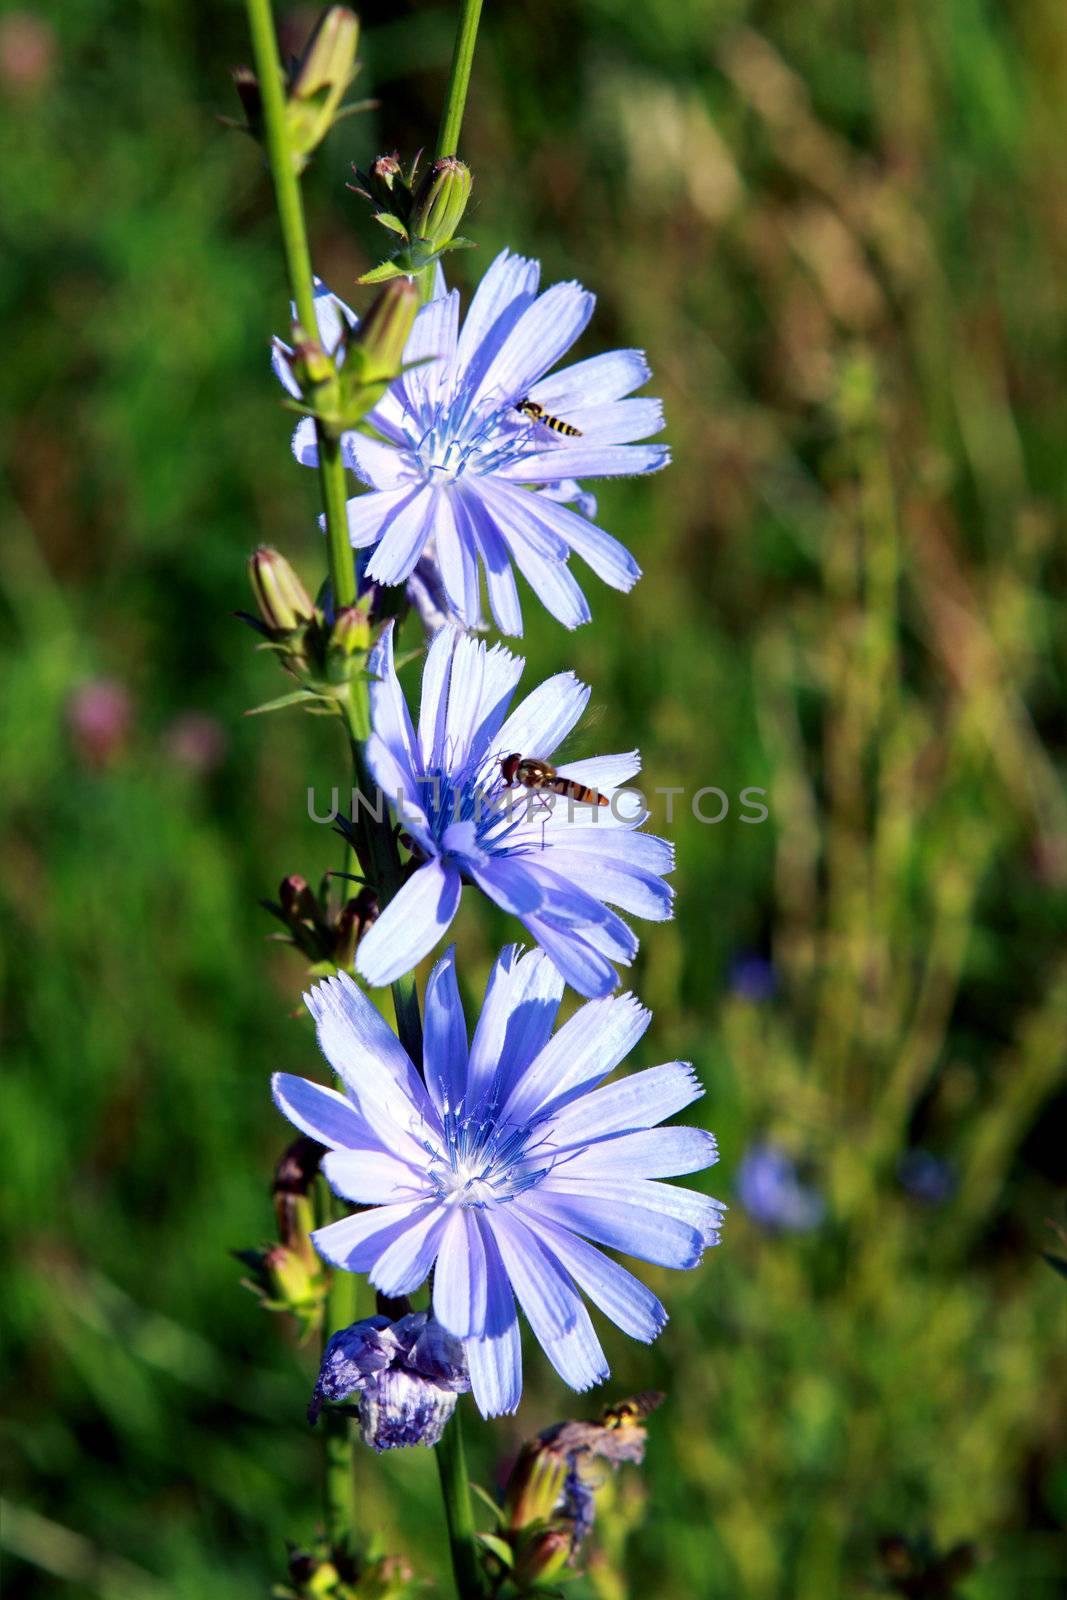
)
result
[(836, 231)]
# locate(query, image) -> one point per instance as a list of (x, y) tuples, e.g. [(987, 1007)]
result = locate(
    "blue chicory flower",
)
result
[(503, 1163), (407, 1375), (555, 864), (770, 1190), (927, 1177), (456, 461)]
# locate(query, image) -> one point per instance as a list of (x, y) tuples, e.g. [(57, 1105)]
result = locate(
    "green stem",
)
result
[(455, 1491), (459, 78), (339, 1479), (301, 279)]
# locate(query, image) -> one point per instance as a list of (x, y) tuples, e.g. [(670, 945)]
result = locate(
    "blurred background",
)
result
[(839, 231)]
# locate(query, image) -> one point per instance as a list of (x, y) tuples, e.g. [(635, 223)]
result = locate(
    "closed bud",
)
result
[(284, 603), (350, 634), (383, 334), (320, 80), (440, 201), (542, 1559), (535, 1486)]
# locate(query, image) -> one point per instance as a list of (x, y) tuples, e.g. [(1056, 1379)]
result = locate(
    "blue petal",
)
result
[(588, 461), (321, 1113), (305, 442), (583, 967), (445, 1038), (603, 773), (433, 342), (648, 1153), (545, 717), (403, 535), (589, 1045), (643, 894), (410, 925), (625, 422), (499, 578), (623, 1225), (355, 1242), (495, 1356), (600, 380), (389, 709), (616, 1292), (433, 706), (367, 1055), (507, 288), (382, 465), (610, 560), (516, 1021), (406, 1261), (460, 1278), (551, 1303), (457, 558), (697, 1211), (545, 331), (480, 688), (368, 514), (510, 884), (640, 1101), (396, 785), (372, 1177)]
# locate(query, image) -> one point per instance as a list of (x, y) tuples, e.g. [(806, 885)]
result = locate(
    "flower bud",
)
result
[(284, 603), (542, 1559), (405, 1375), (440, 201), (350, 634), (320, 80), (383, 334), (535, 1486)]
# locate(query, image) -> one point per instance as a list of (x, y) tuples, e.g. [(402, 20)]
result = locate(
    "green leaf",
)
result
[(487, 1500), (499, 1548)]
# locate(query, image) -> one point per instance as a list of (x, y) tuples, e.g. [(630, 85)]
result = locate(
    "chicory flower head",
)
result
[(503, 1162), (770, 1190), (406, 1375), (558, 865), (456, 461)]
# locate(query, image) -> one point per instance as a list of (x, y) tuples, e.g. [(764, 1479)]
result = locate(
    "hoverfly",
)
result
[(618, 1436), (534, 774), (536, 413), (629, 1413)]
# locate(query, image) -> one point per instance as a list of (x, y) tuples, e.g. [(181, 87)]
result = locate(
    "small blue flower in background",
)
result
[(456, 463), (503, 1163), (770, 1190), (407, 1375), (753, 978), (926, 1177), (557, 866)]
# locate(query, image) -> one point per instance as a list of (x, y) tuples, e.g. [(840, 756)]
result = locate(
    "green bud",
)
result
[(440, 201), (350, 635), (542, 1559), (535, 1485), (320, 80), (383, 334), (284, 603)]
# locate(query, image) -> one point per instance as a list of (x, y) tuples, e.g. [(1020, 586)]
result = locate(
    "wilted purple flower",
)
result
[(456, 461), (407, 1375), (770, 1190), (498, 1164), (926, 1177), (556, 865)]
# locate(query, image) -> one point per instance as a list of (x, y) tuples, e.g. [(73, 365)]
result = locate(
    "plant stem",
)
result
[(339, 1479), (301, 280), (455, 1491), (459, 78)]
